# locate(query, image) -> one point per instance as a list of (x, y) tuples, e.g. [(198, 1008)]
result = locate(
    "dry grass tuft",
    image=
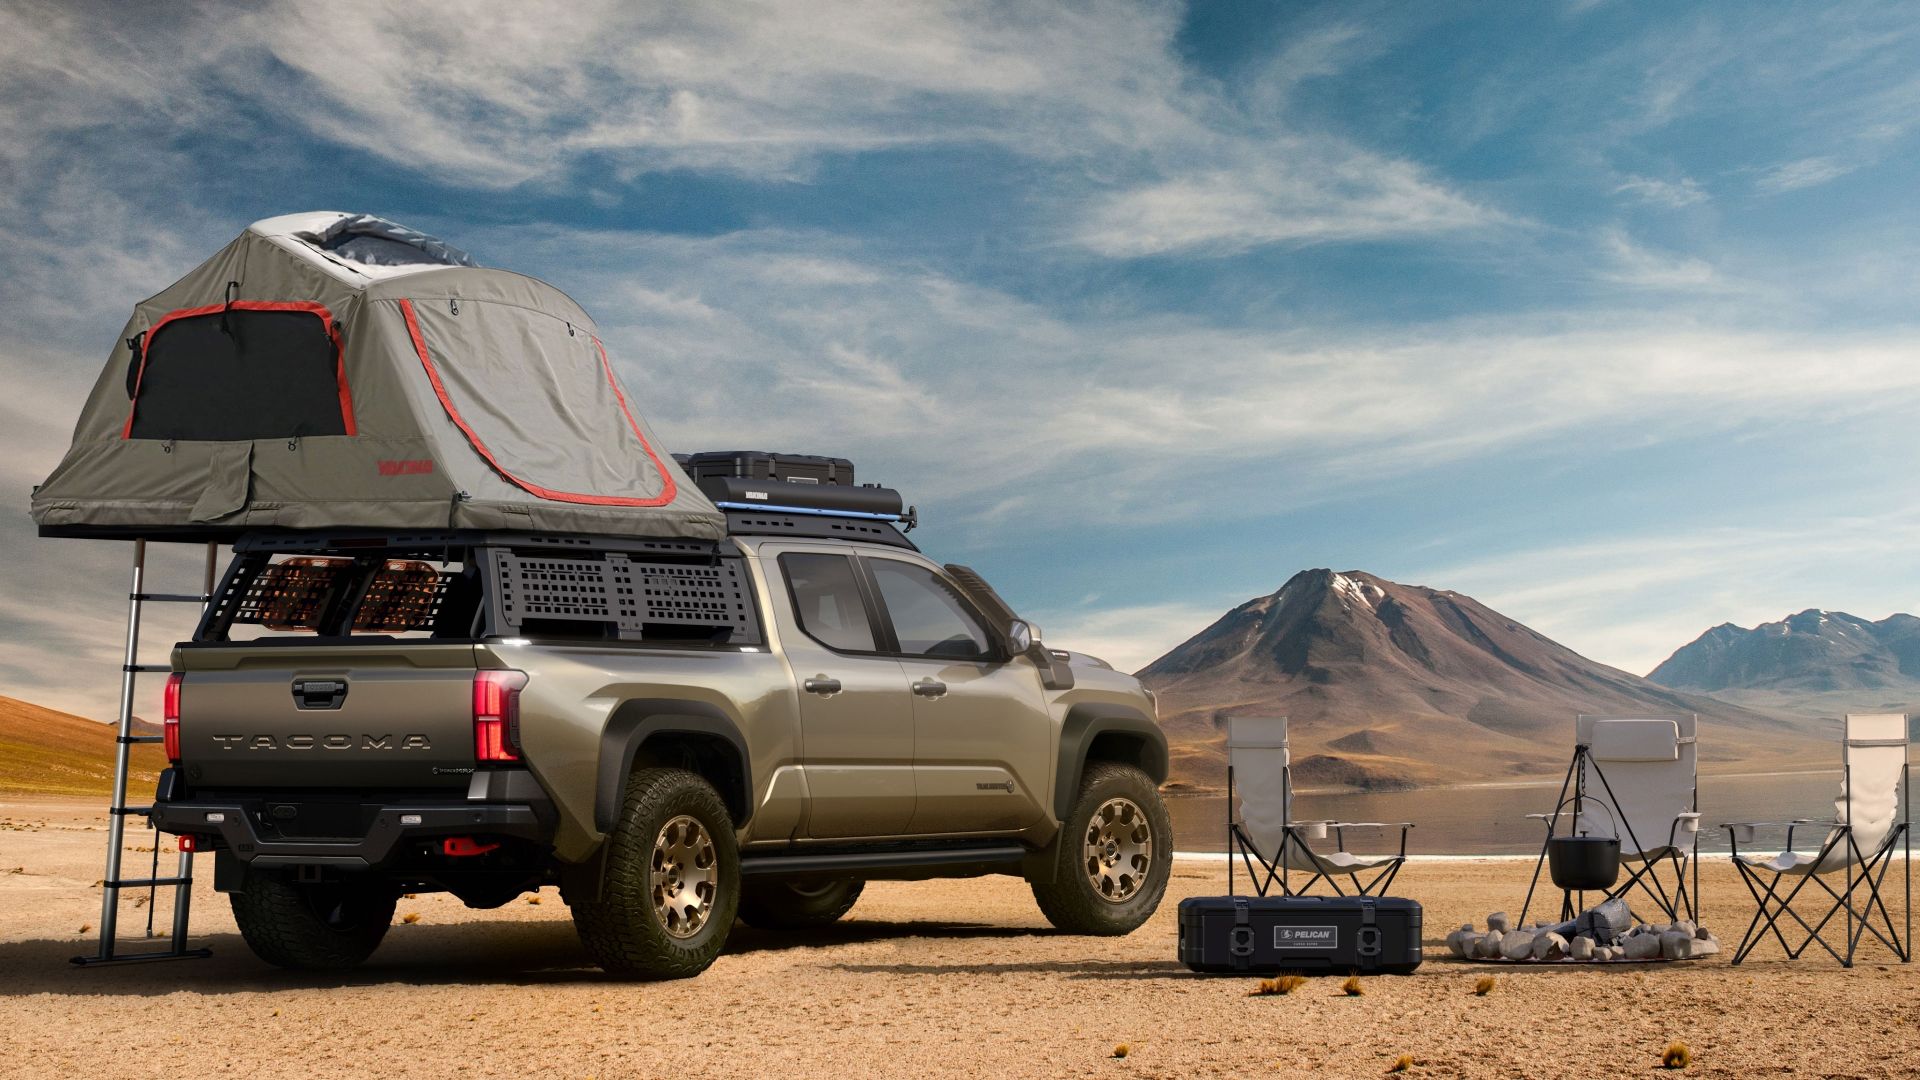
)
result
[(1283, 984), (1403, 1063), (410, 918), (1123, 1050), (1485, 985), (1677, 1056), (533, 899), (1352, 987), (86, 928)]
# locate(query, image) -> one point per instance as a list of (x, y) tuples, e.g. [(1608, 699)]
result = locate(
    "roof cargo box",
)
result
[(332, 370), (764, 465)]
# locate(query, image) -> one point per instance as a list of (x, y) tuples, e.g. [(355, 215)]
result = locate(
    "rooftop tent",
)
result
[(333, 370)]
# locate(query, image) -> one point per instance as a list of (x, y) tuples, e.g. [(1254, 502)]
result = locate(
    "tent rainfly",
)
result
[(332, 370)]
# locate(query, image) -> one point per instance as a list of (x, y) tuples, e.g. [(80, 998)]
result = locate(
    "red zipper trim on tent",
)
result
[(667, 492), (318, 310)]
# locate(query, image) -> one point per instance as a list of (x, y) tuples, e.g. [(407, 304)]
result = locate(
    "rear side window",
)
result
[(929, 618), (826, 598), (255, 370)]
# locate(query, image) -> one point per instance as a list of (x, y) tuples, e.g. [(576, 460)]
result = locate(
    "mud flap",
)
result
[(229, 482)]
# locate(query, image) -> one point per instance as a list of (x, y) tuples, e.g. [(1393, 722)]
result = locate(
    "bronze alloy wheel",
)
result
[(685, 876), (1119, 849)]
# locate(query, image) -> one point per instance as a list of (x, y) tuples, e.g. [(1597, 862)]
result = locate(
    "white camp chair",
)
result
[(1871, 819), (1636, 779), (1260, 825)]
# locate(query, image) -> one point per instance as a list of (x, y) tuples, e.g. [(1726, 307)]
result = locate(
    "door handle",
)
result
[(930, 688), (319, 693), (821, 685)]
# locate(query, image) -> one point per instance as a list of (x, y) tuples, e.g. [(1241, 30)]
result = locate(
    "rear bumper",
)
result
[(503, 804)]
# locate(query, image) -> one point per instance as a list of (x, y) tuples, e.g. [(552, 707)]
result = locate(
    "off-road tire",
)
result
[(796, 905), (623, 930), (1070, 901), (329, 926)]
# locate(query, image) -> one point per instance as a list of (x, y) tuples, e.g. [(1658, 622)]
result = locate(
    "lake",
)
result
[(1492, 819)]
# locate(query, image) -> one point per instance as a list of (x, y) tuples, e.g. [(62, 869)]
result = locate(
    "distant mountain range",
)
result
[(1818, 662), (1393, 685), (43, 752)]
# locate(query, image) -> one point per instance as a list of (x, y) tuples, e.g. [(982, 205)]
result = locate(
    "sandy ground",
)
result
[(923, 979)]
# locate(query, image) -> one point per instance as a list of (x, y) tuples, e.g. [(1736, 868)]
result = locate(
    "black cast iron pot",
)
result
[(1584, 863)]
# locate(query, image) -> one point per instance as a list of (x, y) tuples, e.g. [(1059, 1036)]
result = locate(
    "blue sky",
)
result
[(1603, 313)]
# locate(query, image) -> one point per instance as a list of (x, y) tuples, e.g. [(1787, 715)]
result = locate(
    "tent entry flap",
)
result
[(229, 483)]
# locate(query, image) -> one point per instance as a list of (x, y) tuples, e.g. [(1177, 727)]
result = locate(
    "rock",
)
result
[(1467, 926), (1581, 948), (1549, 946), (1602, 922), (1462, 942), (1705, 946), (1499, 921), (1642, 947), (1684, 926), (1488, 946), (1703, 933), (1517, 945)]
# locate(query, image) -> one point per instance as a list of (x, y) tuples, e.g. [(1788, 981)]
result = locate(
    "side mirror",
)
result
[(1020, 636)]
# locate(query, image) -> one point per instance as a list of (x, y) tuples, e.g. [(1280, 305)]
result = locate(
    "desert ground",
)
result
[(923, 979)]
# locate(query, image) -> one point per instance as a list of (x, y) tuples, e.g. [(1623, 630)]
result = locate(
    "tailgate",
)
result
[(317, 716)]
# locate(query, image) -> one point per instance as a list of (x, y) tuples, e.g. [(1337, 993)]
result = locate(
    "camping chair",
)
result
[(1635, 779), (1260, 825), (1871, 819)]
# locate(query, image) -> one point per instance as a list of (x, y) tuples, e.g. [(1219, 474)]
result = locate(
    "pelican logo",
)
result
[(1001, 785), (1306, 937), (337, 741)]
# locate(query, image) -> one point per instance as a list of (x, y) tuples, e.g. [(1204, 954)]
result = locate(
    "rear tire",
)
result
[(1113, 856), (796, 905), (672, 882), (323, 926)]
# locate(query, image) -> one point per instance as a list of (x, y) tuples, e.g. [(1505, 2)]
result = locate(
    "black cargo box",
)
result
[(732, 493), (1307, 934), (763, 465)]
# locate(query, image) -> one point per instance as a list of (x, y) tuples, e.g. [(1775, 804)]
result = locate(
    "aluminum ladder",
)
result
[(182, 880)]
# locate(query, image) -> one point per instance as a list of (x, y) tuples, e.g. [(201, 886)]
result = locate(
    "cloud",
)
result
[(1631, 600), (1670, 193), (1638, 267), (1804, 173), (1129, 637)]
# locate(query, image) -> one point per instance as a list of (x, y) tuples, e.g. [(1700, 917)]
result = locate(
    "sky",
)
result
[(1602, 313)]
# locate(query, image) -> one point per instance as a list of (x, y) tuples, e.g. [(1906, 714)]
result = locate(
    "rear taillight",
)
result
[(170, 716), (496, 715)]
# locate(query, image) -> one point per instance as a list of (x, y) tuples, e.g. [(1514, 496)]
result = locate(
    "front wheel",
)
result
[(1113, 857), (672, 881), (315, 926)]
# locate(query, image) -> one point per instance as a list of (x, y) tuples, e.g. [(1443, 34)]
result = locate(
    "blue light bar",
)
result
[(808, 510)]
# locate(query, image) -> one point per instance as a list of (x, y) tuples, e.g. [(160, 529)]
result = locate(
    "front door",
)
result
[(856, 716), (983, 742)]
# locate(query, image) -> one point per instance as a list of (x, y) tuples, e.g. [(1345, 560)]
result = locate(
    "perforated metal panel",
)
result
[(678, 600)]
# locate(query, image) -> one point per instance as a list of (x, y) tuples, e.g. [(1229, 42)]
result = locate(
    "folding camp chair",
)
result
[(1636, 780), (1871, 819), (1261, 829)]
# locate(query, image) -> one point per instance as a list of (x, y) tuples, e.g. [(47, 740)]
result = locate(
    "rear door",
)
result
[(309, 715), (856, 717), (983, 739)]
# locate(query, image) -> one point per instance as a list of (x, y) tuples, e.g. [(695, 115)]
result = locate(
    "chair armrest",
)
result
[(1371, 824), (1742, 832), (1687, 823), (1312, 830)]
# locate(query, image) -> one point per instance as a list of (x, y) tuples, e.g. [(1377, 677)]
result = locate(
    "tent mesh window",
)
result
[(614, 596), (238, 375)]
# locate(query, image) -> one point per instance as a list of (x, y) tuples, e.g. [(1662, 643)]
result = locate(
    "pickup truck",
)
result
[(675, 733)]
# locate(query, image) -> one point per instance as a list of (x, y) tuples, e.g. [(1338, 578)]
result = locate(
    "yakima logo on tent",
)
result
[(406, 468)]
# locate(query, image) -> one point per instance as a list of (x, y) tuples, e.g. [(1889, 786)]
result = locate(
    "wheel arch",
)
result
[(669, 731), (1104, 731)]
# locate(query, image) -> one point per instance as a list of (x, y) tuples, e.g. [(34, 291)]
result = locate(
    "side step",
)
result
[(888, 862)]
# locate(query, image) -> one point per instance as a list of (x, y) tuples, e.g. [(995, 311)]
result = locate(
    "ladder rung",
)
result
[(144, 882), (169, 597), (133, 740), (148, 669), (129, 811), (136, 958)]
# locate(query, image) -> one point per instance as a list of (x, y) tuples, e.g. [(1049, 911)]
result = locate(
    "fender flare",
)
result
[(1085, 723), (635, 721)]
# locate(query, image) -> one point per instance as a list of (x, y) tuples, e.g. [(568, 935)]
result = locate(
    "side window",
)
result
[(928, 616), (826, 598)]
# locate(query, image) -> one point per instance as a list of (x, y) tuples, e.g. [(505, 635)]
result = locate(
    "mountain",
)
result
[(43, 752), (1393, 685), (1817, 661)]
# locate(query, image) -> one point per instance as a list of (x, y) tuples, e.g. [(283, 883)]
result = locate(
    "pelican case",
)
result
[(762, 465), (1307, 934)]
